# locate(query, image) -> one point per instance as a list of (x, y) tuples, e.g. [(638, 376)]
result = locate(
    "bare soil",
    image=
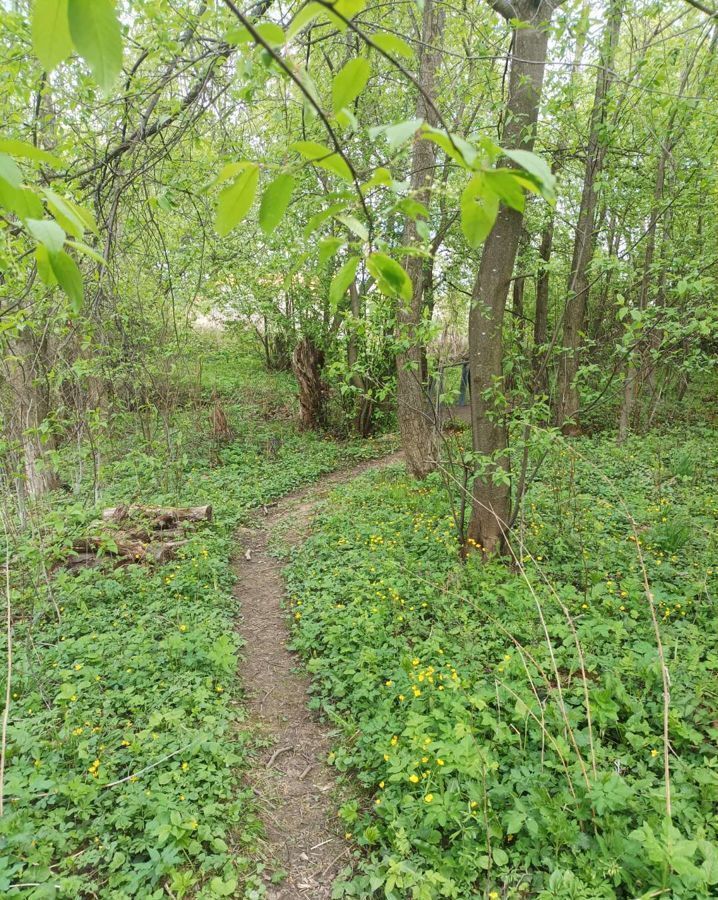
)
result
[(294, 786)]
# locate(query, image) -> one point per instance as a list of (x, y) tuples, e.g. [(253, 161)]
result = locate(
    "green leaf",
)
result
[(48, 233), (460, 150), (305, 15), (479, 208), (22, 201), (412, 208), (507, 186), (44, 269), (398, 134), (342, 280), (347, 119), (67, 213), (500, 856), (88, 251), (392, 43), (345, 9), (272, 33), (236, 200), (328, 247), (95, 31), (319, 218), (381, 177), (353, 224), (28, 151), (538, 168), (275, 201), (390, 277), (515, 821), (68, 277), (322, 156), (350, 82), (231, 170), (9, 171), (51, 39)]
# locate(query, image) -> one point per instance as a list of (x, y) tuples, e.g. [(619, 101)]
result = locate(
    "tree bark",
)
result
[(416, 423), (363, 420), (541, 311), (631, 385), (491, 501), (26, 374), (307, 364), (567, 397)]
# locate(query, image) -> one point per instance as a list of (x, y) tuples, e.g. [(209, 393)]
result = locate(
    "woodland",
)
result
[(359, 449)]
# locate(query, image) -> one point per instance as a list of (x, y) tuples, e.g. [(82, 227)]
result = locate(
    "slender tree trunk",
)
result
[(541, 312), (600, 312), (632, 381), (364, 403), (26, 373), (491, 501), (416, 423), (567, 398)]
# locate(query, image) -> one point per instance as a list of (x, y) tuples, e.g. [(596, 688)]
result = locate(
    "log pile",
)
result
[(143, 534)]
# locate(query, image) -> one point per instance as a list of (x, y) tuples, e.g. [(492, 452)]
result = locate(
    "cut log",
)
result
[(158, 516), (162, 553)]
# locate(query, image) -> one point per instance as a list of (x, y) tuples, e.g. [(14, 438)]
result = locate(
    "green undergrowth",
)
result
[(459, 688), (126, 740)]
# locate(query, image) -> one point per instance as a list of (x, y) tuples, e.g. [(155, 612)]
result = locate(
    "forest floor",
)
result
[(162, 742), (294, 786)]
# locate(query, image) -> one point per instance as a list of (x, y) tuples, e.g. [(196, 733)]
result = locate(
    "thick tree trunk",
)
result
[(567, 398), (416, 422), (307, 364), (491, 502)]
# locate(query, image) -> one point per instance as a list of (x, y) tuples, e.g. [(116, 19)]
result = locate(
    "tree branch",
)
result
[(696, 4)]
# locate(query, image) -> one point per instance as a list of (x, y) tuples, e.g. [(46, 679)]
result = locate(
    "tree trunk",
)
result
[(632, 381), (541, 313), (363, 420), (491, 501), (26, 374), (567, 398), (597, 328), (307, 364), (416, 423)]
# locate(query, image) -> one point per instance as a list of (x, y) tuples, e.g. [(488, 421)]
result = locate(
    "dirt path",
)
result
[(291, 780)]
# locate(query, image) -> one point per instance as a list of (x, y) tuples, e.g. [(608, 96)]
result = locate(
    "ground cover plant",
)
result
[(460, 688), (127, 743), (241, 246)]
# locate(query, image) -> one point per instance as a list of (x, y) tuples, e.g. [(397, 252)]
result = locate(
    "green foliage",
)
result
[(236, 199), (478, 773), (51, 39), (350, 82), (126, 744), (95, 32), (275, 201)]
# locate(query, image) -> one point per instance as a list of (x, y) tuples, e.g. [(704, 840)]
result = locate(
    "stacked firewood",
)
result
[(141, 534)]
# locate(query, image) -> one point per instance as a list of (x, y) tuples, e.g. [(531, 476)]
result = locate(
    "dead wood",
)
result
[(156, 537), (158, 517)]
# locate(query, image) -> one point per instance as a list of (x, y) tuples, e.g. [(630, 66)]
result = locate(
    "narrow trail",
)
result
[(293, 784)]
